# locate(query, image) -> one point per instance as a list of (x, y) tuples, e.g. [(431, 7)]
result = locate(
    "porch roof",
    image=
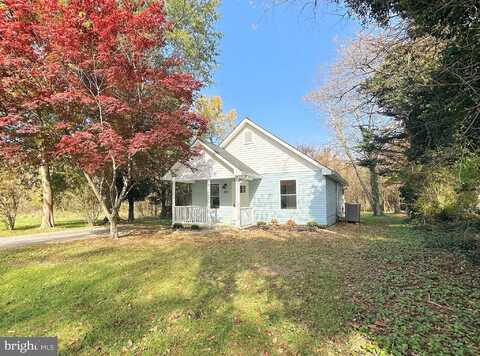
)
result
[(203, 167)]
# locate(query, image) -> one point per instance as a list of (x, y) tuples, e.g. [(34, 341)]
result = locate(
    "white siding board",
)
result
[(264, 155), (331, 201), (199, 193), (311, 196)]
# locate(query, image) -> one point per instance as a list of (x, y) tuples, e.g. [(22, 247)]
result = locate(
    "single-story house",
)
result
[(254, 176)]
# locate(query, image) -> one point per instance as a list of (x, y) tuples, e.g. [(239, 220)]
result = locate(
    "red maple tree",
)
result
[(27, 86), (118, 103)]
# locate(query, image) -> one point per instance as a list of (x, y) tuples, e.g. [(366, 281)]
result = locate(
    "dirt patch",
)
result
[(276, 270)]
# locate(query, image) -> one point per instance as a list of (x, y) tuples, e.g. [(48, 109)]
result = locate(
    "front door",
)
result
[(214, 196), (244, 195)]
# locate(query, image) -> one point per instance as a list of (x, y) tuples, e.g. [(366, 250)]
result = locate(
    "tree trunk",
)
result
[(374, 186), (131, 209), (11, 223), (343, 141), (111, 216), (163, 202), (47, 218), (396, 207), (113, 227)]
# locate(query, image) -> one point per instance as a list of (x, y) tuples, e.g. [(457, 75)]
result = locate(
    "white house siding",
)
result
[(311, 197), (199, 193), (245, 197), (264, 155), (332, 201)]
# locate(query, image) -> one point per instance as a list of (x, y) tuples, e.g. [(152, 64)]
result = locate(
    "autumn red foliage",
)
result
[(91, 79)]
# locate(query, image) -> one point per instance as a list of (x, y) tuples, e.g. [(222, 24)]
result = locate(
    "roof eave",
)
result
[(337, 178)]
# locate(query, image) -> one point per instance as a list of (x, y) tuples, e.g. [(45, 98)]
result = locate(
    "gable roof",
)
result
[(229, 158), (221, 156), (329, 172)]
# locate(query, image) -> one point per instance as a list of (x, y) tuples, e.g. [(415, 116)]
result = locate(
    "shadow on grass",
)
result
[(222, 297), (249, 293)]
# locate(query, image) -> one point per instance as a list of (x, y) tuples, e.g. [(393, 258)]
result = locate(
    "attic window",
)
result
[(248, 137)]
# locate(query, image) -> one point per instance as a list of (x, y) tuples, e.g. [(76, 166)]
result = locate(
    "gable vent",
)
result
[(248, 137)]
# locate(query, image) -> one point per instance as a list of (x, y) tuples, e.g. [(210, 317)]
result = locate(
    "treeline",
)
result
[(404, 103)]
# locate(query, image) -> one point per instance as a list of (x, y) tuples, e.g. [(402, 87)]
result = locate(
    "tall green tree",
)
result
[(429, 83), (440, 47), (193, 37)]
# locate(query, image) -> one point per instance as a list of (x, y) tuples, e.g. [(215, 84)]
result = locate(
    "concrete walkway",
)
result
[(60, 236)]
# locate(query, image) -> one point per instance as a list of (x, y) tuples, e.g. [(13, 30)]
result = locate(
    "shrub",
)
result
[(195, 227), (9, 199), (443, 192), (177, 226), (14, 187), (261, 223), (315, 225), (291, 223), (437, 196), (83, 201)]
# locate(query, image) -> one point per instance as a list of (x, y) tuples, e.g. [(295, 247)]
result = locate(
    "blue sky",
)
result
[(271, 58)]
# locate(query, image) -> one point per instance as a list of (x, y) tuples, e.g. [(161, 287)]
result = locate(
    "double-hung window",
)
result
[(215, 196), (288, 194)]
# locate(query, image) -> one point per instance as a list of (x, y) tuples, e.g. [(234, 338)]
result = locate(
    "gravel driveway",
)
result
[(27, 240)]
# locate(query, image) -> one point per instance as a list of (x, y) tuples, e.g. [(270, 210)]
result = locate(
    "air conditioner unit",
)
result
[(352, 212)]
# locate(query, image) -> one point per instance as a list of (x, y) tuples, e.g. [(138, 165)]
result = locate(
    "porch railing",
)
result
[(191, 215), (201, 215), (247, 217)]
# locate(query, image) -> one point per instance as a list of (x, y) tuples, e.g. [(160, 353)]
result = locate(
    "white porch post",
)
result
[(173, 200), (237, 201), (209, 214)]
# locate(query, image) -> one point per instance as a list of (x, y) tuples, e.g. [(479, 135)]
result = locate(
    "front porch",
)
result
[(217, 189), (211, 202), (200, 215)]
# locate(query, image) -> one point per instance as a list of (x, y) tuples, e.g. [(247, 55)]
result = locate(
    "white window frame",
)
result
[(296, 193)]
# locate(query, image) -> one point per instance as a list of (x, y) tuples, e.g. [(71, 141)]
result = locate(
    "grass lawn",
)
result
[(379, 288), (30, 224)]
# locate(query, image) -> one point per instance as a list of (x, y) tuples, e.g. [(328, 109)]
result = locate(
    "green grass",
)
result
[(151, 222), (375, 288), (30, 224)]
